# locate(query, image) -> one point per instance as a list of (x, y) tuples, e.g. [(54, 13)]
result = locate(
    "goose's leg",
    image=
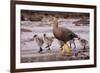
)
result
[(40, 50), (70, 44), (74, 43), (84, 47), (48, 47), (75, 51), (61, 45)]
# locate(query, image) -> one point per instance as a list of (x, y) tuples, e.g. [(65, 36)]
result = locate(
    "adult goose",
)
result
[(62, 33)]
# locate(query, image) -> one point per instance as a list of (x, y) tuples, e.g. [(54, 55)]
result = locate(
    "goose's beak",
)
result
[(52, 18)]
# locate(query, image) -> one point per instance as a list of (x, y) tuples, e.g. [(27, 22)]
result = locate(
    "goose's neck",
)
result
[(55, 24)]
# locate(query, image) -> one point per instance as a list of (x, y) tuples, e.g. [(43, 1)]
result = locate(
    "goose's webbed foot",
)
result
[(40, 50), (48, 48)]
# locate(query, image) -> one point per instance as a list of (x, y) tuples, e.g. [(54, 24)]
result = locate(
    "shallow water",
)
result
[(30, 48)]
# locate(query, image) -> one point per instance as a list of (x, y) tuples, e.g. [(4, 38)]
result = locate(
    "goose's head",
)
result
[(54, 21), (35, 36)]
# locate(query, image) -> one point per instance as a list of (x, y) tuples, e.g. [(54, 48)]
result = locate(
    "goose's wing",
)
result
[(67, 34)]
